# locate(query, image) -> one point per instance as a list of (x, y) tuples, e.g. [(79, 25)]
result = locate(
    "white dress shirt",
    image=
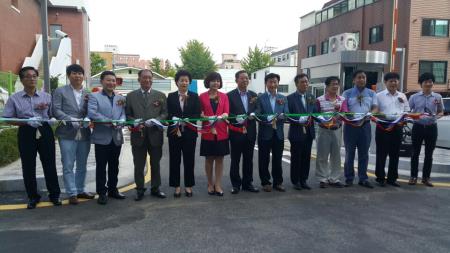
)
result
[(78, 94), (392, 104)]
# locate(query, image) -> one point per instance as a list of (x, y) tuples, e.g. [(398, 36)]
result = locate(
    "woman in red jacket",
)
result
[(214, 144)]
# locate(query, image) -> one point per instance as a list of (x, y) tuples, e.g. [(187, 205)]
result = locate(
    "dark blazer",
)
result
[(265, 131), (191, 110), (296, 107), (155, 108), (237, 108)]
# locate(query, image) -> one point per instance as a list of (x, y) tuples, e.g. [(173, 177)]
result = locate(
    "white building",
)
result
[(286, 57), (286, 85)]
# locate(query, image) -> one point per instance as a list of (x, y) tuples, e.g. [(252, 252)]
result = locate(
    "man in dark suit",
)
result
[(182, 141), (242, 134), (146, 103), (300, 136), (271, 136)]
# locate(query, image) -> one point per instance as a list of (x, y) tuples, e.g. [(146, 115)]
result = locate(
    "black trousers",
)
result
[(300, 160), (107, 155), (388, 143), (179, 147), (29, 146), (140, 161), (241, 146), (428, 134), (264, 147)]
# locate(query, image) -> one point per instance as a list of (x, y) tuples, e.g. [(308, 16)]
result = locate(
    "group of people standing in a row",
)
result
[(72, 104)]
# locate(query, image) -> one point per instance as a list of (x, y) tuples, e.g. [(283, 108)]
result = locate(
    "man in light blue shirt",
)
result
[(358, 99)]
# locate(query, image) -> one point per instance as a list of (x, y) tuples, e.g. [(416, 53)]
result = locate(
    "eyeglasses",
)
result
[(30, 77)]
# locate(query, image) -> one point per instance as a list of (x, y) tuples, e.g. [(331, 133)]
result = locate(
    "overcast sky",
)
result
[(159, 28)]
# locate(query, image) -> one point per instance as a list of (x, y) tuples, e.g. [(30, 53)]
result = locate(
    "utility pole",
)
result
[(44, 28)]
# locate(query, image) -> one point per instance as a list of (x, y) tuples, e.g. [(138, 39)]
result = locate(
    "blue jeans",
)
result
[(72, 151), (357, 137)]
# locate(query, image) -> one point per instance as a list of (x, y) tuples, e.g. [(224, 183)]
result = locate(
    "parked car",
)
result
[(446, 104), (443, 140)]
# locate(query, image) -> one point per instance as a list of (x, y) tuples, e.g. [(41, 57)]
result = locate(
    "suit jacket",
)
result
[(237, 108), (65, 107), (156, 108), (191, 109), (263, 106), (222, 107), (296, 107), (99, 108)]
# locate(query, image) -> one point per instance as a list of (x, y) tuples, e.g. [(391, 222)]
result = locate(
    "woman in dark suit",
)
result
[(182, 139), (214, 144)]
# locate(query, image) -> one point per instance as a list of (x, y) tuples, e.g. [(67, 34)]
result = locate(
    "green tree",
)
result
[(256, 59), (169, 70), (197, 59), (155, 65), (98, 64)]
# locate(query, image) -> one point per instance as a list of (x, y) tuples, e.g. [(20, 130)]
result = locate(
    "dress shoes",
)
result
[(412, 181), (158, 194), (73, 200), (116, 195), (86, 195), (139, 195), (337, 185), (393, 183), (235, 190), (381, 182), (177, 194), (188, 194), (427, 182), (32, 203), (267, 188), (279, 188), (323, 185), (220, 194), (348, 183), (102, 199), (298, 186), (56, 201), (305, 185), (366, 184), (250, 188)]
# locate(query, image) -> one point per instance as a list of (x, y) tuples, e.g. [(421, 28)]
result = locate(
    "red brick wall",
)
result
[(18, 33)]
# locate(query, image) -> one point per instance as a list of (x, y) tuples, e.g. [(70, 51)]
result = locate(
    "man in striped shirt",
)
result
[(329, 140), (35, 136)]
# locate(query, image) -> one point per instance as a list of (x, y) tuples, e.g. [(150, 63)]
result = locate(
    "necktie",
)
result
[(303, 101), (146, 97)]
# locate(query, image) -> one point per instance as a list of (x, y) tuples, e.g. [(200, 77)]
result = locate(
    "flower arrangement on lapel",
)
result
[(280, 101), (337, 105), (437, 101), (41, 106), (401, 100), (310, 100), (121, 102), (253, 100), (157, 103), (360, 98)]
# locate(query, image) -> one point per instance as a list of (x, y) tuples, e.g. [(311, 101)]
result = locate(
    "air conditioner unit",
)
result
[(343, 42)]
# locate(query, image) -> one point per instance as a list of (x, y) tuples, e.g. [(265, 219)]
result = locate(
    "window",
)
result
[(279, 58), (254, 75), (435, 27), (324, 47), (324, 15), (351, 5), (311, 51), (318, 18), (369, 2), (330, 13), (283, 88), (287, 56), (358, 38), (438, 68), (54, 42), (359, 3), (15, 3), (376, 34)]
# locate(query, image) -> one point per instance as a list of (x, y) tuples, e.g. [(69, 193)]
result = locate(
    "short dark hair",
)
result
[(211, 77), (331, 79), (426, 76), (391, 75), (25, 69), (76, 68), (106, 73), (142, 70), (357, 72), (270, 76), (236, 76), (181, 73), (300, 76)]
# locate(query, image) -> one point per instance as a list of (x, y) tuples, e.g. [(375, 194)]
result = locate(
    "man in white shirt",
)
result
[(392, 104)]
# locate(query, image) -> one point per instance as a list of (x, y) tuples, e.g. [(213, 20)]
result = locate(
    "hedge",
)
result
[(9, 151)]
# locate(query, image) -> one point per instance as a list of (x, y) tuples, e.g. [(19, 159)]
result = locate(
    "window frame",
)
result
[(313, 51), (380, 34), (421, 71), (431, 28)]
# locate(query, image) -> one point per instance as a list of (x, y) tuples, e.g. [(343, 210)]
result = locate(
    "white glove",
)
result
[(281, 116), (303, 119), (119, 124), (270, 117), (85, 123), (251, 116), (75, 122), (240, 119), (137, 122), (34, 122), (148, 123), (175, 119), (52, 121), (211, 119)]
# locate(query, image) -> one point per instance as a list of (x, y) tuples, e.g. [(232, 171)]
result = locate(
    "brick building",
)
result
[(18, 34), (423, 30)]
